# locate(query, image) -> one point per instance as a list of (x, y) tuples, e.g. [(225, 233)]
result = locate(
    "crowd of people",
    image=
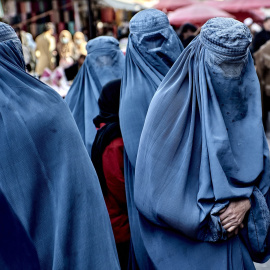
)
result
[(156, 159), (54, 63)]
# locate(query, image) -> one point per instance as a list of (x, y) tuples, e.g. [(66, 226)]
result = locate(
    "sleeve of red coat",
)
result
[(113, 168)]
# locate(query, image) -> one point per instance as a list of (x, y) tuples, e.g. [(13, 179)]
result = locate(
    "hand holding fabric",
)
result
[(233, 216)]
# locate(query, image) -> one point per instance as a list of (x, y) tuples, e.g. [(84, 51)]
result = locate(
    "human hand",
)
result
[(235, 232), (232, 217)]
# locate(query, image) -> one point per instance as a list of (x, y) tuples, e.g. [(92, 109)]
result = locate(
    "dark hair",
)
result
[(187, 26), (266, 19)]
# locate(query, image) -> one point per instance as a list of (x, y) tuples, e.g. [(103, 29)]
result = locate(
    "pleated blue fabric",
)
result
[(202, 146), (153, 47), (104, 62), (52, 211)]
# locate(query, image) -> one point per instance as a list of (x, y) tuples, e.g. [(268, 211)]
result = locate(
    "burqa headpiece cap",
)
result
[(148, 20), (7, 33), (103, 42), (226, 36)]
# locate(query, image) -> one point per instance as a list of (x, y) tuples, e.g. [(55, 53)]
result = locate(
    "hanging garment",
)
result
[(153, 47), (203, 146), (104, 63), (53, 215)]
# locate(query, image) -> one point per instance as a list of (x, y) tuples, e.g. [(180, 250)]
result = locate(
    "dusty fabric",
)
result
[(202, 146)]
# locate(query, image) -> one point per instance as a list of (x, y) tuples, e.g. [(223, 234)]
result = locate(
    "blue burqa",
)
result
[(153, 47), (104, 62), (202, 146), (52, 211)]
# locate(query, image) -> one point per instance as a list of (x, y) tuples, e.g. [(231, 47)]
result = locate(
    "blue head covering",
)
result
[(104, 63), (202, 146), (53, 215), (153, 47)]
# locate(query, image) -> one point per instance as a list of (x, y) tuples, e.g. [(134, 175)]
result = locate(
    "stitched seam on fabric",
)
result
[(212, 46), (255, 228)]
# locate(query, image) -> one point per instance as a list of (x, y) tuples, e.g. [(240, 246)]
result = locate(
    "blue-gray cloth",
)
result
[(202, 146), (52, 211), (153, 47), (104, 62)]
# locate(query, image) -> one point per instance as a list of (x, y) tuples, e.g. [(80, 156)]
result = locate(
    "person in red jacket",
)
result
[(107, 157)]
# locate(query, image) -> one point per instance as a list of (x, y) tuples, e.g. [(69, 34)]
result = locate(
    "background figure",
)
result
[(53, 215), (79, 45), (203, 155), (65, 48), (79, 55), (45, 49), (263, 36), (29, 49), (262, 59), (57, 80), (107, 158), (253, 27), (72, 71), (254, 30), (187, 33), (104, 63), (152, 49)]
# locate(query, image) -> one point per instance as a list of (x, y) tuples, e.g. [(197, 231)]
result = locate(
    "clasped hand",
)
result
[(232, 216)]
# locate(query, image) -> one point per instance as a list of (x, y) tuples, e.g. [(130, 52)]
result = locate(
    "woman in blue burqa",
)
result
[(52, 212), (104, 62), (153, 47), (202, 171)]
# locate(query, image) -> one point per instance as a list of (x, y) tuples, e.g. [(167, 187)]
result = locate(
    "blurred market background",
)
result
[(54, 33), (98, 17)]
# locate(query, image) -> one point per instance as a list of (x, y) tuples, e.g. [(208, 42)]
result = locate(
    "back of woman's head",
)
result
[(108, 103), (110, 97), (11, 47)]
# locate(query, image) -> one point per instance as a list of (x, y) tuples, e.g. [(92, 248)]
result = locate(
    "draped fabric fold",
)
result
[(108, 114), (153, 47), (202, 146), (104, 62), (55, 212)]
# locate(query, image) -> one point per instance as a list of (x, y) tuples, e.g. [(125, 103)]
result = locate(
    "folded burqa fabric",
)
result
[(153, 47), (53, 215), (104, 62), (202, 146)]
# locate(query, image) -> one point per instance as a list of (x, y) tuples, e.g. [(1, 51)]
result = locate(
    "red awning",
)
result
[(170, 5), (239, 5), (196, 14)]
